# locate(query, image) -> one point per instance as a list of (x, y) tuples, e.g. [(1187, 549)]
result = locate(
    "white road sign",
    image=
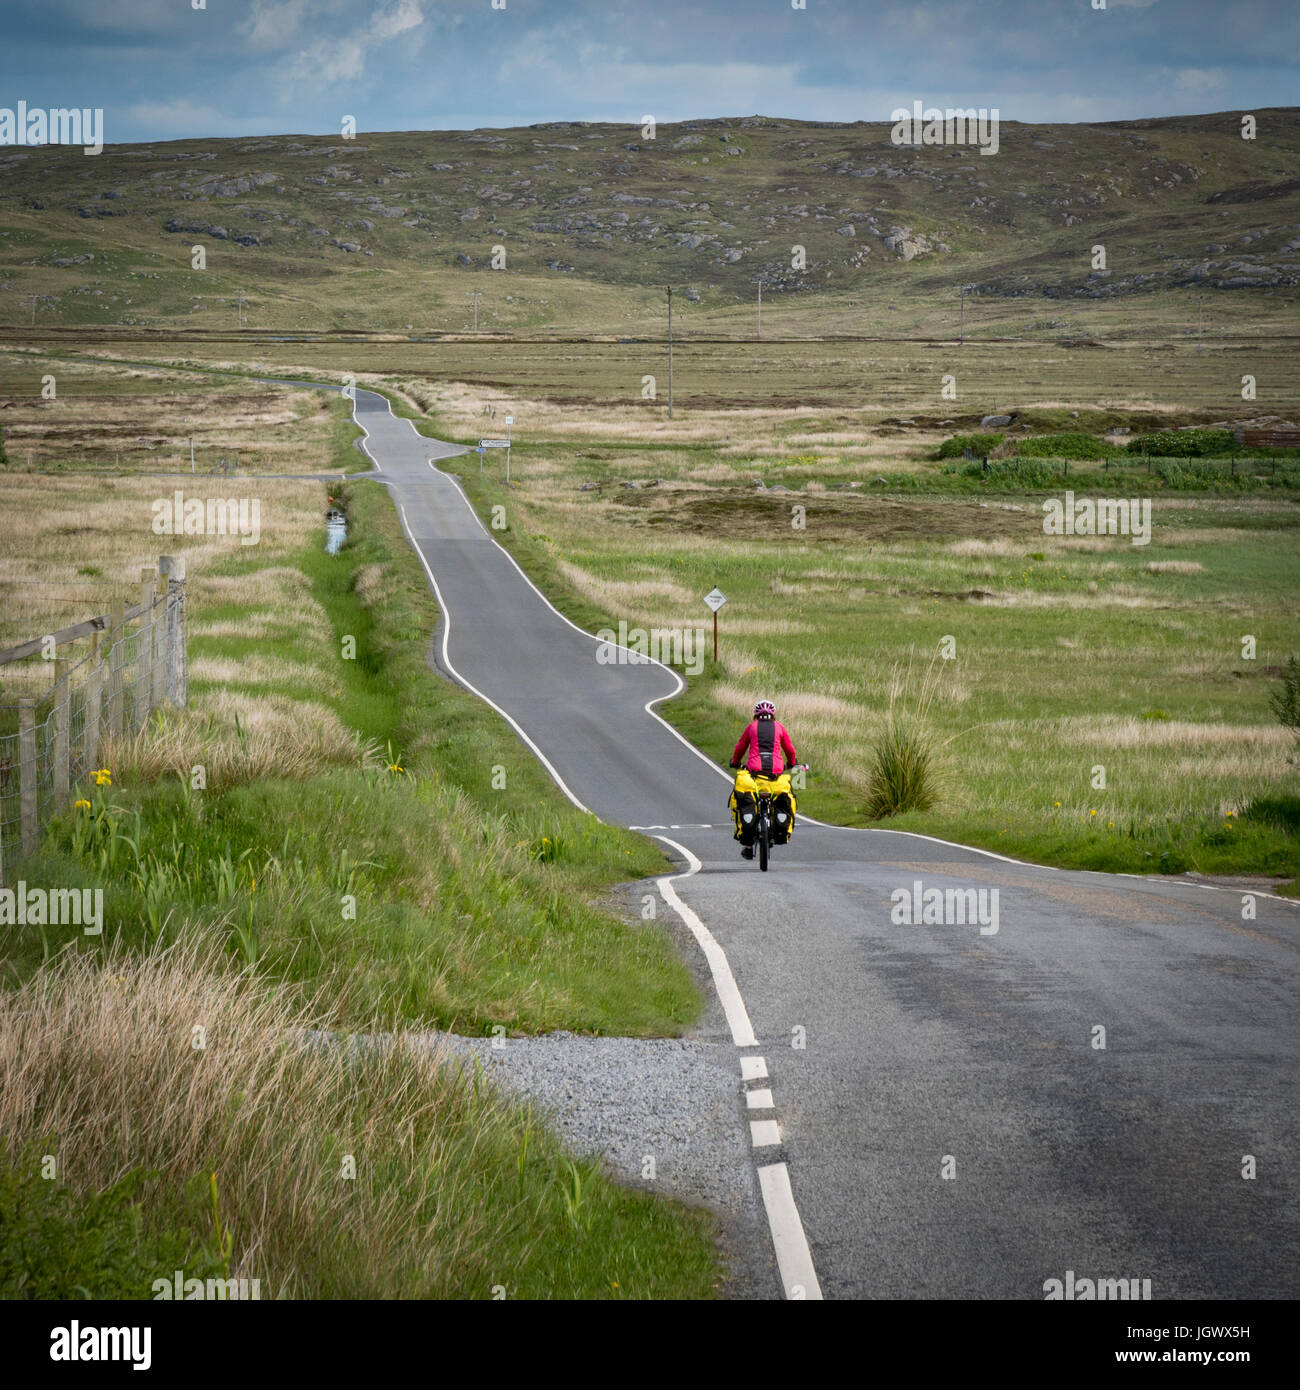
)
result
[(716, 599), (494, 443)]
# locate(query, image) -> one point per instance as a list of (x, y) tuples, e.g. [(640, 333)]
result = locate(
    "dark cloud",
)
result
[(162, 69)]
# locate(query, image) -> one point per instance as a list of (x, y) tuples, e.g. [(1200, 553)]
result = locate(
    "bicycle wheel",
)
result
[(764, 841)]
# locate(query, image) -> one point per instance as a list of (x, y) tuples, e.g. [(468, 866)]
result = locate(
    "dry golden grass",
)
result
[(1174, 567), (745, 430), (238, 737), (102, 418), (369, 582), (241, 724), (626, 596), (1254, 742), (1000, 546), (73, 543), (1095, 597), (265, 669), (96, 1059)]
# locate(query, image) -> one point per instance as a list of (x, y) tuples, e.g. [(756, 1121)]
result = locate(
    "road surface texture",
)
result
[(933, 1110)]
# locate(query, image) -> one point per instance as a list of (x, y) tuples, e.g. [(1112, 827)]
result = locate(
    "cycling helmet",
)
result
[(765, 709)]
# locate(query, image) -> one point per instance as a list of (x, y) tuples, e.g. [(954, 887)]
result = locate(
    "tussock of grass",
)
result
[(252, 738), (902, 773), (455, 1189)]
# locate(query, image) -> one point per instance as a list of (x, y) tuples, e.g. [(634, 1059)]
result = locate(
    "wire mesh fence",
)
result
[(52, 741)]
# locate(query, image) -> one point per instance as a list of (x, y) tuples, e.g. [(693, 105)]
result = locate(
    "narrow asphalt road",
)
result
[(947, 1118)]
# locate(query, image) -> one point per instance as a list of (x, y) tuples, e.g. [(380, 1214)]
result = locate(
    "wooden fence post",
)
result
[(161, 642), (173, 566), (60, 713), (116, 661), (144, 652), (28, 773)]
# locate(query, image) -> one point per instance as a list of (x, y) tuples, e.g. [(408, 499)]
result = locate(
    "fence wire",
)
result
[(53, 745)]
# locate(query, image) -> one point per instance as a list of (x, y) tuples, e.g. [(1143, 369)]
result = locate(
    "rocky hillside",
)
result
[(712, 207)]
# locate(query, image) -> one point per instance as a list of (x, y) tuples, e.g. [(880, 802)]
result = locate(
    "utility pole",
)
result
[(1200, 323), (670, 351), (961, 332), (474, 295), (760, 306)]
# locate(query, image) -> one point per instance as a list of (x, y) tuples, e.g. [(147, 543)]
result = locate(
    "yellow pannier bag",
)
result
[(747, 785)]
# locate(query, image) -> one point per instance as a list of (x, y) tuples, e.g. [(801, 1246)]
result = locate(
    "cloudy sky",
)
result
[(162, 69)]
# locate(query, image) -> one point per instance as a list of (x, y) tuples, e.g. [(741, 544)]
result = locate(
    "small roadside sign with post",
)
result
[(715, 599)]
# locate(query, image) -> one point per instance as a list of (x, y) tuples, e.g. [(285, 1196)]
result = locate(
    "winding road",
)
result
[(932, 1111)]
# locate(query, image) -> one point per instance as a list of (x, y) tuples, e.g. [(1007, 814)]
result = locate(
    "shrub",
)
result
[(955, 446), (1186, 444), (1285, 702), (1192, 475), (902, 777), (1069, 446), (1027, 472)]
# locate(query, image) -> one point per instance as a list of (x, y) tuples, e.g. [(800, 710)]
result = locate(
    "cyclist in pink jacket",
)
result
[(765, 746), (763, 751)]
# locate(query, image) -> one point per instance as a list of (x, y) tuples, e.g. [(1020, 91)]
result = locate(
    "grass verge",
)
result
[(138, 1147)]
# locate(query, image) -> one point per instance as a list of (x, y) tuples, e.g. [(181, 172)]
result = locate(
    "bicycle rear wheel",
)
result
[(764, 841)]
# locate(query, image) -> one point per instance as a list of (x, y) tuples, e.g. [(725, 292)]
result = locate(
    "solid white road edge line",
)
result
[(793, 1258), (724, 982)]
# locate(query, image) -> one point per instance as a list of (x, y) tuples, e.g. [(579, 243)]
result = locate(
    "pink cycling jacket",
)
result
[(762, 744)]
